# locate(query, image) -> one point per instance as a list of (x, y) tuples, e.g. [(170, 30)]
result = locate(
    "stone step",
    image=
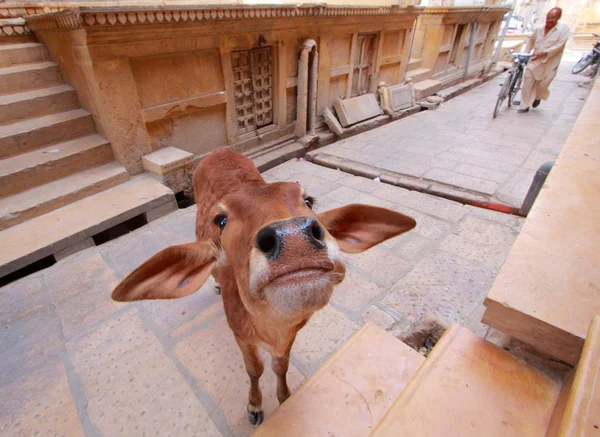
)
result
[(29, 170), (469, 387), (27, 77), (582, 409), (350, 392), (53, 195), (37, 103), (74, 224), (25, 53), (427, 88), (413, 64), (24, 136), (419, 74)]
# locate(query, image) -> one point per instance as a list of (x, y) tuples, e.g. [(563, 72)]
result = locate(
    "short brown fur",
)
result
[(270, 285)]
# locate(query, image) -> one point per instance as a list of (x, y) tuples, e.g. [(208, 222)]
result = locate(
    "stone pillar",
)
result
[(122, 113), (312, 92), (302, 105)]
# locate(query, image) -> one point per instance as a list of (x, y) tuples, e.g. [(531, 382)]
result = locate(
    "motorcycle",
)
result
[(588, 59)]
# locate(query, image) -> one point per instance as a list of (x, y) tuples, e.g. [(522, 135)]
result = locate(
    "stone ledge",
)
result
[(147, 14)]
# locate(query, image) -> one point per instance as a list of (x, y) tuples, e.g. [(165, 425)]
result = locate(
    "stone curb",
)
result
[(426, 186)]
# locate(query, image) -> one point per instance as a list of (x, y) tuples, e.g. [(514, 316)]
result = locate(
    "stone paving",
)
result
[(75, 363), (460, 145)]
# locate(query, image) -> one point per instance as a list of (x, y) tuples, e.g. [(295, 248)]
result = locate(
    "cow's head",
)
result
[(286, 259)]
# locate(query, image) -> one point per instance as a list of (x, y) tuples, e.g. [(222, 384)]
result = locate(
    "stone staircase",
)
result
[(377, 386), (59, 181)]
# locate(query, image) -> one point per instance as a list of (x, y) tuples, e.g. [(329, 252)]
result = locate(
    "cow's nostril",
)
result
[(316, 231), (266, 240)]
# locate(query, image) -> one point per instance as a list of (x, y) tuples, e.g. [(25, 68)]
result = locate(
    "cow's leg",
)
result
[(255, 368), (280, 367)]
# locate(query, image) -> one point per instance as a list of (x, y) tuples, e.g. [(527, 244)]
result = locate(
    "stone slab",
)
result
[(30, 241), (132, 386), (28, 170), (469, 387), (39, 404), (166, 160), (29, 76), (80, 292), (53, 195), (37, 103), (213, 358), (426, 88), (580, 418), (546, 294), (357, 109), (349, 393), (16, 138), (14, 54), (278, 156), (401, 97), (332, 122)]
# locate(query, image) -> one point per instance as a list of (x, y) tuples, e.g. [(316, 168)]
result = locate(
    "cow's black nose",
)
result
[(271, 239)]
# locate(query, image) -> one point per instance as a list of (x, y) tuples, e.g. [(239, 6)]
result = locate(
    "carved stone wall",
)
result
[(200, 78)]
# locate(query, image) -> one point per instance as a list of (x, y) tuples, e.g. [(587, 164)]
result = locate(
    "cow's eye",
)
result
[(309, 201), (220, 220)]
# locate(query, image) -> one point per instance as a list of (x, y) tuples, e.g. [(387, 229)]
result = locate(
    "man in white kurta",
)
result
[(548, 44)]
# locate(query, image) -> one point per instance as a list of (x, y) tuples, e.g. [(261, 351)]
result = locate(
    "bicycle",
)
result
[(590, 58), (512, 83)]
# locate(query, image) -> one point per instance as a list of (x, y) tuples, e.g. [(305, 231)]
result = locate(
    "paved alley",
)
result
[(461, 146), (75, 363)]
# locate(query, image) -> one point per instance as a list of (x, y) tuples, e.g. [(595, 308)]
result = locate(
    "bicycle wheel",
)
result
[(502, 94), (514, 86), (582, 64)]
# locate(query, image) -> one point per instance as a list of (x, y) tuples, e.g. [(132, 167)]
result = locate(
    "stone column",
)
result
[(302, 105), (122, 113), (312, 92)]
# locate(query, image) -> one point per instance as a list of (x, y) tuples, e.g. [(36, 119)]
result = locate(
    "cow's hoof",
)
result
[(217, 289), (256, 418)]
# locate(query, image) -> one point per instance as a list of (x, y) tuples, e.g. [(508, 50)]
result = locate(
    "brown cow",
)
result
[(275, 260)]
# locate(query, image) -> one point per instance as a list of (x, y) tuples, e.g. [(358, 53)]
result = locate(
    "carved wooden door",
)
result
[(253, 88), (364, 56)]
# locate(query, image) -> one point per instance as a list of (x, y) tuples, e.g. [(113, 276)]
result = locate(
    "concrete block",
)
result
[(357, 109)]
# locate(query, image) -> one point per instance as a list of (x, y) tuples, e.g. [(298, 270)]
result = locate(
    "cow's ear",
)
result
[(177, 271), (357, 228)]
